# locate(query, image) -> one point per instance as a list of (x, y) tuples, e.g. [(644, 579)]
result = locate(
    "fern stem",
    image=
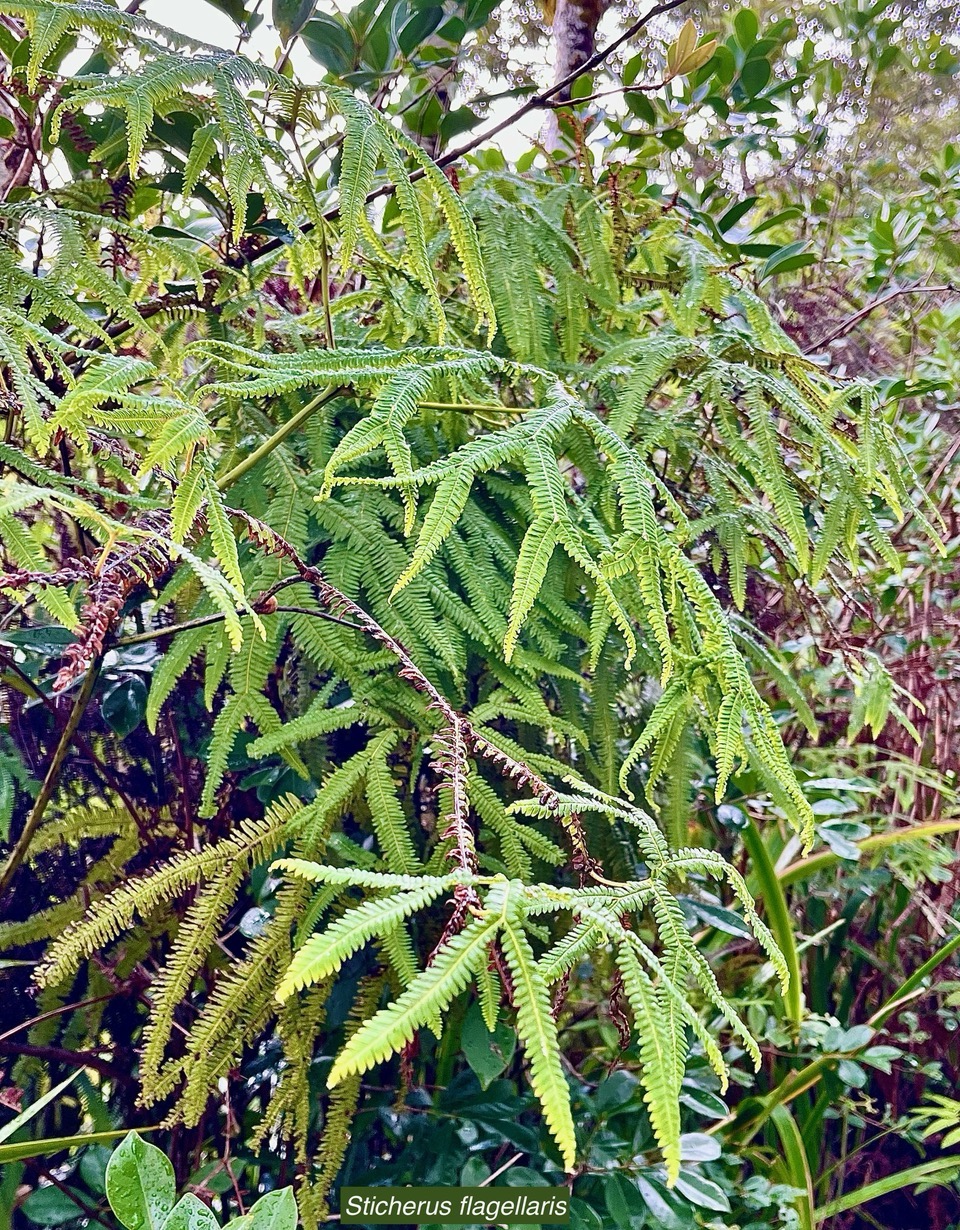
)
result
[(325, 286), (278, 437), (59, 1054), (471, 407), (327, 615), (19, 851), (156, 634)]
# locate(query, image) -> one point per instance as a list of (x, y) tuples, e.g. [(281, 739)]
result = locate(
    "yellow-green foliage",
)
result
[(455, 522)]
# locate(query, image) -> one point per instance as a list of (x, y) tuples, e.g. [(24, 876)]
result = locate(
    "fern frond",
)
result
[(658, 1046), (532, 563), (195, 937), (239, 1007), (463, 233), (386, 813), (452, 968), (448, 503), (537, 1031), (114, 914), (356, 876), (325, 953)]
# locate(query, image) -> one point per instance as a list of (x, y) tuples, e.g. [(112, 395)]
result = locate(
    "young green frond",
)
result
[(324, 954), (451, 970), (537, 1031)]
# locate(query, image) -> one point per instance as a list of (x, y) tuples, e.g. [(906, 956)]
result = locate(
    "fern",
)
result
[(385, 811), (506, 910), (195, 937), (115, 913), (324, 954), (419, 576), (661, 1090), (537, 1031), (391, 1028)]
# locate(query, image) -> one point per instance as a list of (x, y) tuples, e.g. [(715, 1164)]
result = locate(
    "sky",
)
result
[(202, 21)]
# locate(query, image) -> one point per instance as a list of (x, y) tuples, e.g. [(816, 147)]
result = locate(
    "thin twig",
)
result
[(945, 463), (77, 1199), (19, 851), (496, 1174), (45, 1016), (537, 102), (327, 615), (650, 88), (245, 30), (852, 321), (78, 1059), (141, 638)]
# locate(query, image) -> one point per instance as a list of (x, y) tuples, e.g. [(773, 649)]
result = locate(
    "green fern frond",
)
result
[(537, 1031), (356, 876), (658, 1045), (325, 953), (107, 918), (389, 823), (451, 970), (195, 937)]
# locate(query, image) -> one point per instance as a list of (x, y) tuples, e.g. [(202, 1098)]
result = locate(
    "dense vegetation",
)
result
[(480, 610)]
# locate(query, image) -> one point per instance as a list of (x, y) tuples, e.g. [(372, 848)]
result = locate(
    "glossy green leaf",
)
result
[(786, 259), (275, 1211), (190, 1213), (330, 43), (124, 704), (140, 1184), (290, 16), (50, 1206), (747, 27), (488, 1054), (704, 1193)]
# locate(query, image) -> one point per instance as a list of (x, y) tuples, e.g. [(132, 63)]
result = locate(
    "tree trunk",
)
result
[(574, 42)]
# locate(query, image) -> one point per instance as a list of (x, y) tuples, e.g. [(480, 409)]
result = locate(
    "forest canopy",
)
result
[(479, 610)]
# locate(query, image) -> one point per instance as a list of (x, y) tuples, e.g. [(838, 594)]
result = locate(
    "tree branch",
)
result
[(651, 88), (537, 102), (852, 321), (76, 1059), (19, 851)]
